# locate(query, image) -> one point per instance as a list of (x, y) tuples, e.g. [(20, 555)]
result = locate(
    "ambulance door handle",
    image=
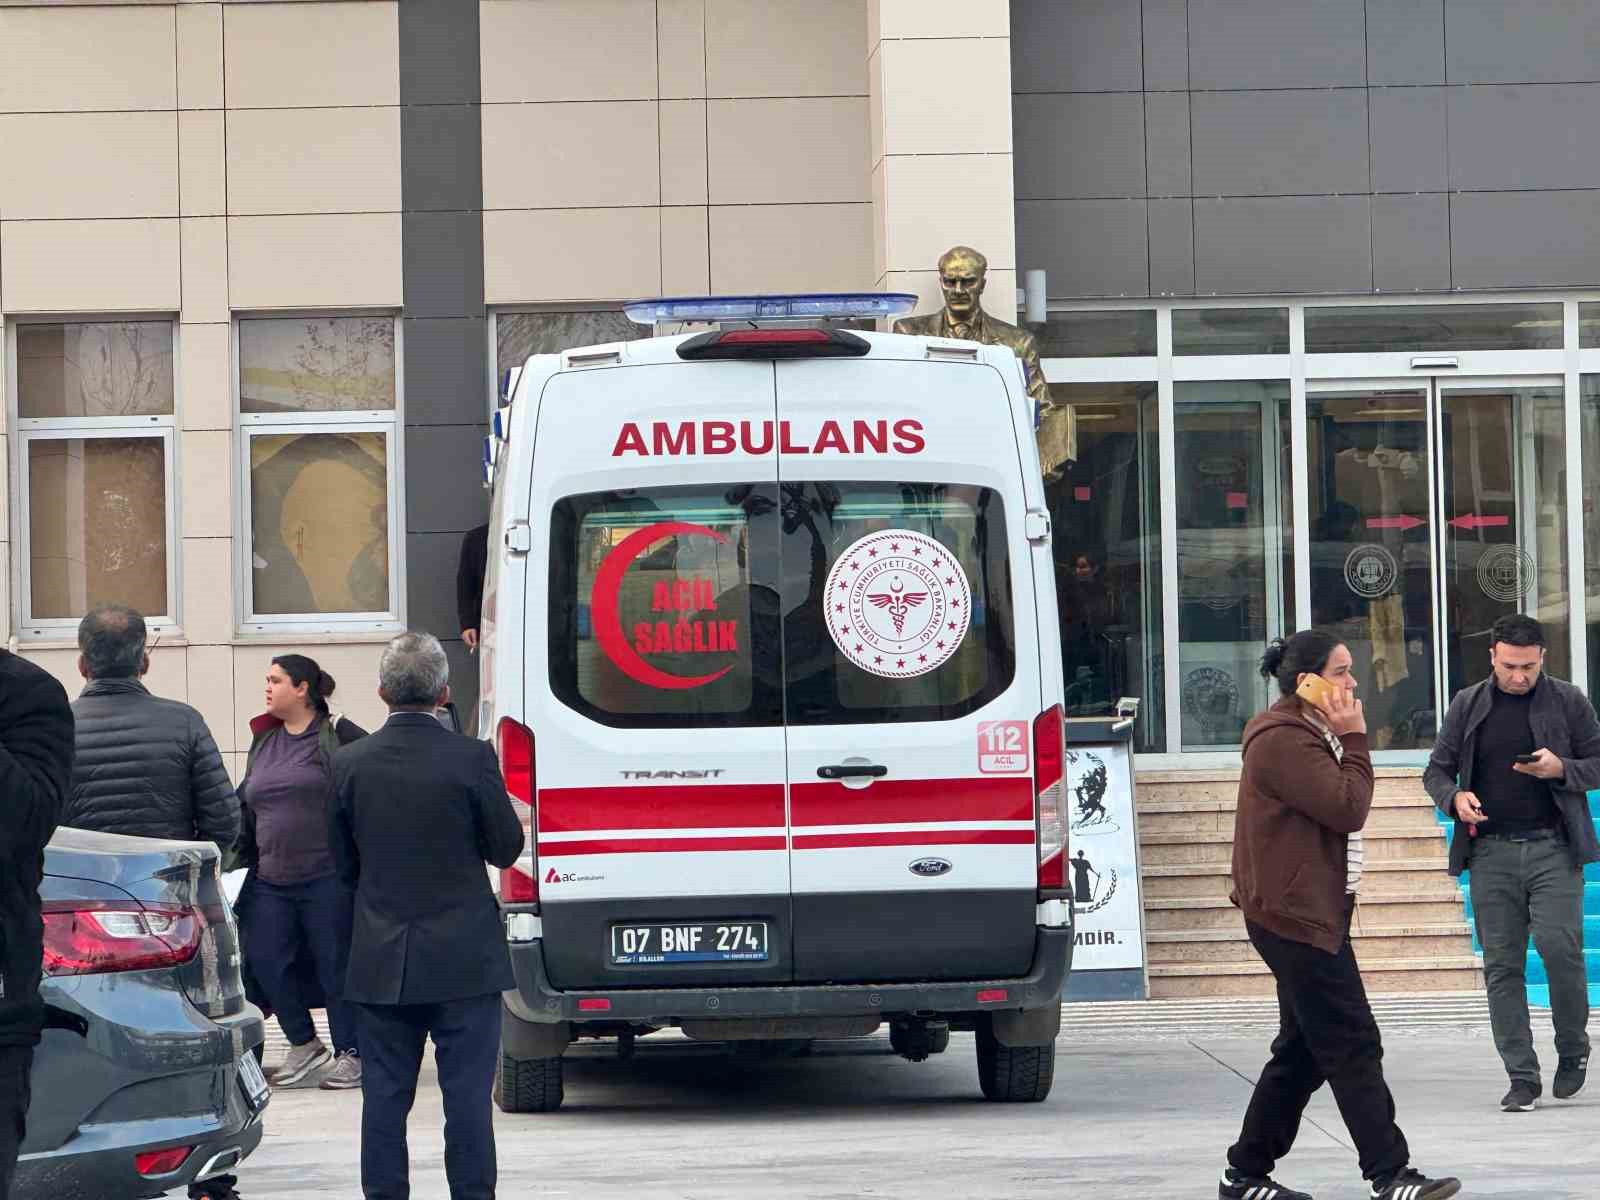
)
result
[(852, 771)]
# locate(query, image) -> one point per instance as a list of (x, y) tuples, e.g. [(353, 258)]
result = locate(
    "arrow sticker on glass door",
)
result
[(1478, 521), (1400, 522)]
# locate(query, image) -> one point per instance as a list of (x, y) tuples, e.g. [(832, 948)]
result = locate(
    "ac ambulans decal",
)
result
[(898, 604), (683, 611), (676, 439)]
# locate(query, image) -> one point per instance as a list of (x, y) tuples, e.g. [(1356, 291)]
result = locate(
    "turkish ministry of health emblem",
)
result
[(898, 604)]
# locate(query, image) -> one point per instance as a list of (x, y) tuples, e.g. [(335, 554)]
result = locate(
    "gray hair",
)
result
[(413, 671), (111, 639)]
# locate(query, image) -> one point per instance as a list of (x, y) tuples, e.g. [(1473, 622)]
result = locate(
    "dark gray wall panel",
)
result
[(447, 373), (1411, 243), (1408, 139), (1166, 124), (443, 472), (1076, 46), (1166, 45), (1286, 143), (1296, 244), (1087, 247), (442, 256), (1082, 145), (444, 146), (1530, 136), (1172, 247), (1524, 239), (1405, 41), (434, 556), (1277, 43), (1521, 41), (439, 59)]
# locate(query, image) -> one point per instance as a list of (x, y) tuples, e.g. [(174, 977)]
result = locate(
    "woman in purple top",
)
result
[(294, 911)]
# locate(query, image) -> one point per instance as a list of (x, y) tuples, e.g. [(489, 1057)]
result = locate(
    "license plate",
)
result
[(254, 1083), (690, 942)]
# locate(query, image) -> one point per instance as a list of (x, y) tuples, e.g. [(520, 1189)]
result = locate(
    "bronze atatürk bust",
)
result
[(962, 274)]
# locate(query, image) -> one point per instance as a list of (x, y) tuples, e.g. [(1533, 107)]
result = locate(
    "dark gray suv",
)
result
[(148, 1075)]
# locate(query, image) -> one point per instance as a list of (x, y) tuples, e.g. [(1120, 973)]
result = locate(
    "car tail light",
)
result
[(91, 937), (161, 1162), (594, 1004), (513, 740), (775, 342), (1050, 799)]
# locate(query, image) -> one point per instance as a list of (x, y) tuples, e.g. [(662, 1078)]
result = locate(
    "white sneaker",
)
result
[(303, 1060), (346, 1073)]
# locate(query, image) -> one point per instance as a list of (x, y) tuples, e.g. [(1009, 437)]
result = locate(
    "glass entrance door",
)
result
[(1435, 507)]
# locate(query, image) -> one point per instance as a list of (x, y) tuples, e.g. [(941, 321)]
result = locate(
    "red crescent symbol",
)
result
[(606, 598)]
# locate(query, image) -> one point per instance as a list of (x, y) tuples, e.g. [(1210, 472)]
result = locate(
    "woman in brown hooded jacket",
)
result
[(1304, 794)]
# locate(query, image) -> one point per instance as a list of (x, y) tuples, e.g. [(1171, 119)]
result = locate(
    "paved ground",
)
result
[(1147, 1098)]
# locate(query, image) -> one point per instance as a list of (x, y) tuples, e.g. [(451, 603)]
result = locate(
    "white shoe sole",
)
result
[(284, 1079), (1519, 1107)]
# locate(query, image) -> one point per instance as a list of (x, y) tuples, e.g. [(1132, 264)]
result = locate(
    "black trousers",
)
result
[(279, 920), (466, 1048), (1326, 1034), (16, 1062)]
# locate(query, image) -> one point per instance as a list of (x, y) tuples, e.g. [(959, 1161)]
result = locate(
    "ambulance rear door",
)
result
[(912, 680), (662, 849)]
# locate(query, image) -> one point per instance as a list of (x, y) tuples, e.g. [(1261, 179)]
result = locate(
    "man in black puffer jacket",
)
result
[(145, 766)]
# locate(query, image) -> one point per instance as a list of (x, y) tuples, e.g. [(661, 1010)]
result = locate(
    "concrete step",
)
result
[(1176, 881), (1211, 816), (1432, 974), (1429, 905), (1220, 945), (1171, 849), (1156, 787)]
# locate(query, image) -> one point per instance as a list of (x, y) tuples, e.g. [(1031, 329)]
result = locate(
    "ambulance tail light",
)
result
[(772, 343), (1050, 796), (513, 742)]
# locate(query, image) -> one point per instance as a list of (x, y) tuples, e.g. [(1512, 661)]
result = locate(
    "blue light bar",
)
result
[(812, 306)]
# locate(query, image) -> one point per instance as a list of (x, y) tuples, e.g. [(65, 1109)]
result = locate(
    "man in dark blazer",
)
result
[(417, 812)]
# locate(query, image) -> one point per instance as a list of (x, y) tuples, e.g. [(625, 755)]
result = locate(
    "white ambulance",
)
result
[(772, 662)]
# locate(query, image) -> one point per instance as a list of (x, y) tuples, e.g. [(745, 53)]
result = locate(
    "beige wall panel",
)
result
[(312, 55), (791, 248), (918, 115), (88, 266), (880, 216), (940, 18), (51, 159), (61, 663), (681, 49), (202, 164), (811, 151), (780, 48), (169, 673), (354, 667), (685, 252), (571, 254), (210, 679), (208, 590), (205, 471), (683, 152), (596, 155), (87, 59), (567, 50), (313, 160), (314, 261), (205, 269), (205, 387), (199, 56), (875, 105), (925, 218)]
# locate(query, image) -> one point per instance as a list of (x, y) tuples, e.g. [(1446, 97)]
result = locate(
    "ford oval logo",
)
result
[(930, 868)]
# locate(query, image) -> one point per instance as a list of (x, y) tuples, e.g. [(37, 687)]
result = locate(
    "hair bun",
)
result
[(1272, 660), (325, 684)]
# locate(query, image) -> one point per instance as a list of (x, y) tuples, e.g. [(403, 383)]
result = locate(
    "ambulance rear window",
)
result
[(657, 618)]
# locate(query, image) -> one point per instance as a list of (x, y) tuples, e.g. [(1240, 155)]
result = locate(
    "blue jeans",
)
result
[(281, 921)]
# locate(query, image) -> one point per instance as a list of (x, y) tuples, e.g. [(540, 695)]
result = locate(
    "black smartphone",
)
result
[(1526, 758)]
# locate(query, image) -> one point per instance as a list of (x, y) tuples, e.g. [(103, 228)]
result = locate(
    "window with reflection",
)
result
[(1230, 331), (520, 335)]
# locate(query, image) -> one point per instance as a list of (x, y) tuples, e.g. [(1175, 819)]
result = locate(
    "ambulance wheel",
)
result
[(528, 1085), (1013, 1074)]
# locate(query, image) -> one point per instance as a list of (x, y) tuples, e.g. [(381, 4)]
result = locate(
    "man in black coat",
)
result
[(35, 764), (145, 765), (417, 812)]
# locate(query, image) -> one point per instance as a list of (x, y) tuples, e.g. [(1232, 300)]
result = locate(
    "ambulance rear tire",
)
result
[(1013, 1074), (528, 1085)]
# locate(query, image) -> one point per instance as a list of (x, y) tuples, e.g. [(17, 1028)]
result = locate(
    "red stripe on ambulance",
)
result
[(902, 801), (708, 806), (660, 845), (915, 837)]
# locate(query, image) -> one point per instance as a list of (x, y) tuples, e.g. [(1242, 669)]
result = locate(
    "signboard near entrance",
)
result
[(1103, 863)]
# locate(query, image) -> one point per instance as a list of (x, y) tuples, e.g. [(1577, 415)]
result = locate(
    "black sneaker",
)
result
[(1411, 1184), (1236, 1185), (1571, 1075), (1523, 1097)]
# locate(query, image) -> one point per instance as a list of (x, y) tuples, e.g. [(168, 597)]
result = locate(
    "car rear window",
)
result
[(752, 604)]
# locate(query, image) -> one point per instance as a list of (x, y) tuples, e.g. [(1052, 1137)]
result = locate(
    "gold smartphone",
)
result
[(1315, 691)]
